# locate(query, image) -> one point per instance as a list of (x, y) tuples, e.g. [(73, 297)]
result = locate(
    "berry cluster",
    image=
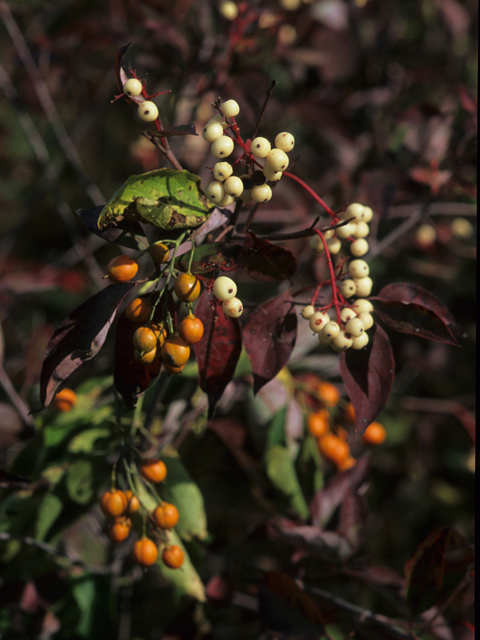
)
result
[(225, 290), (121, 506), (264, 163)]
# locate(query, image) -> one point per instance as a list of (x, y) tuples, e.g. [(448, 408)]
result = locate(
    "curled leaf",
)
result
[(127, 233)]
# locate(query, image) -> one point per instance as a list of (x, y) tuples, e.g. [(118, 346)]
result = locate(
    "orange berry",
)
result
[(122, 269), (161, 334), (65, 400), (173, 556), (138, 311), (144, 339), (146, 358), (166, 515), (120, 530), (333, 448), (173, 370), (349, 413), (145, 552), (191, 329), (113, 503), (341, 432), (374, 434), (159, 252), (187, 287), (318, 423), (328, 394), (133, 503), (348, 463), (153, 470), (175, 352)]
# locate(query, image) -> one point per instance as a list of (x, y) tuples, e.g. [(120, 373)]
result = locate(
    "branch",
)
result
[(16, 400)]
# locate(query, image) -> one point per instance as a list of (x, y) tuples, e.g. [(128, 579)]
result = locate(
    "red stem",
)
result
[(311, 192), (331, 270)]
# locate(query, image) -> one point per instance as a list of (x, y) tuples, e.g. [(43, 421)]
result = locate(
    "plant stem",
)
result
[(311, 192)]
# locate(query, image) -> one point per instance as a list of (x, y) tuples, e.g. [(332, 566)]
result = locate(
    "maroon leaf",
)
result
[(215, 256), (127, 233), (424, 572), (118, 65), (408, 317), (79, 338), (325, 502), (271, 262), (219, 350), (368, 376), (353, 519), (269, 337), (328, 544), (407, 292)]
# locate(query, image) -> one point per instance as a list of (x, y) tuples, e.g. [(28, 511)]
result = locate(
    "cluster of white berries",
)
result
[(357, 229), (147, 110), (226, 187), (351, 332), (225, 289)]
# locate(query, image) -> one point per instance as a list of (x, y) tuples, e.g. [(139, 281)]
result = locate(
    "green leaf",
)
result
[(180, 490), (186, 579), (281, 471), (85, 441), (165, 198), (276, 430), (49, 510), (79, 481)]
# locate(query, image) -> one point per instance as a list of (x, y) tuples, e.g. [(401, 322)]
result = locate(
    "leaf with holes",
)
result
[(271, 261), (368, 376), (214, 256), (269, 337), (127, 233), (79, 338), (219, 350)]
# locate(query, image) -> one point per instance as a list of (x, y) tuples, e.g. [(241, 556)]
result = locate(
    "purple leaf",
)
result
[(269, 337), (353, 519), (368, 376), (127, 233), (118, 65), (329, 544), (79, 338), (219, 350), (272, 262), (214, 256)]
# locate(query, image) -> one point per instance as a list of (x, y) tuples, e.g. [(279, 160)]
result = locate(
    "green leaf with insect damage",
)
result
[(166, 198)]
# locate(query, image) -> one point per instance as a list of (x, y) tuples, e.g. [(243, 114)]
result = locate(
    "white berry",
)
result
[(233, 186), (362, 230), (222, 147), (359, 247), (318, 321), (277, 159), (316, 244), (334, 245), (233, 307), (270, 174), (224, 288), (355, 327), (346, 314), (362, 306), (347, 288), (148, 111), (367, 214), (261, 193), (229, 11), (331, 330), (227, 199), (366, 318), (260, 147), (363, 286), (285, 141), (354, 210), (231, 108), (215, 191), (132, 87), (308, 311), (358, 269), (222, 171), (360, 342), (342, 342), (346, 231), (212, 131)]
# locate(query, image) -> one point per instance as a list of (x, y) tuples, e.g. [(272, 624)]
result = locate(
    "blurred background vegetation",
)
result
[(381, 99)]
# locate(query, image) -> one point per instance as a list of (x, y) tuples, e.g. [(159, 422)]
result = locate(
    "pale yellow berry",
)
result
[(233, 186), (366, 318), (229, 11), (212, 131), (261, 193), (277, 159), (358, 269), (360, 342), (367, 214), (218, 118), (342, 342), (346, 231), (362, 306), (226, 200), (425, 235), (346, 314), (231, 108), (308, 311), (233, 307), (222, 147), (224, 288), (323, 339), (222, 171), (285, 141), (347, 288), (290, 5), (330, 330), (215, 191), (318, 321), (362, 230), (462, 229), (316, 244), (334, 245), (270, 174), (148, 111), (363, 286), (354, 210), (132, 87), (359, 247), (260, 147), (355, 327)]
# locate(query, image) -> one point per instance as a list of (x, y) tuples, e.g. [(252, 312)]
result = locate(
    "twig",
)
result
[(264, 107), (16, 400)]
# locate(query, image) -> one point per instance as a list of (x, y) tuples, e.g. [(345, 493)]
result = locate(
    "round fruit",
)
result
[(173, 370), (355, 327), (363, 286), (114, 503), (166, 515), (316, 244), (277, 159), (359, 247), (260, 147), (187, 287), (144, 339), (461, 228), (175, 352), (132, 87), (120, 531), (354, 210), (153, 470), (367, 214), (230, 108), (334, 245), (330, 330), (148, 111), (65, 400), (270, 174), (261, 193), (159, 252), (147, 357), (308, 311), (173, 556), (191, 329), (233, 186), (226, 200), (133, 502), (348, 288), (122, 269), (360, 341), (334, 448), (348, 463), (346, 314), (361, 306), (285, 141), (328, 394), (318, 423), (318, 321), (342, 342), (346, 231), (362, 230), (138, 311), (160, 333), (215, 191), (374, 434), (222, 147), (222, 171), (232, 308), (367, 320), (212, 131), (224, 288), (349, 413), (358, 269), (145, 552)]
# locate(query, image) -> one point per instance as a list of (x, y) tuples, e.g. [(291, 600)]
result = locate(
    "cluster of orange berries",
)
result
[(119, 506), (333, 444), (65, 400), (151, 341), (259, 152)]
